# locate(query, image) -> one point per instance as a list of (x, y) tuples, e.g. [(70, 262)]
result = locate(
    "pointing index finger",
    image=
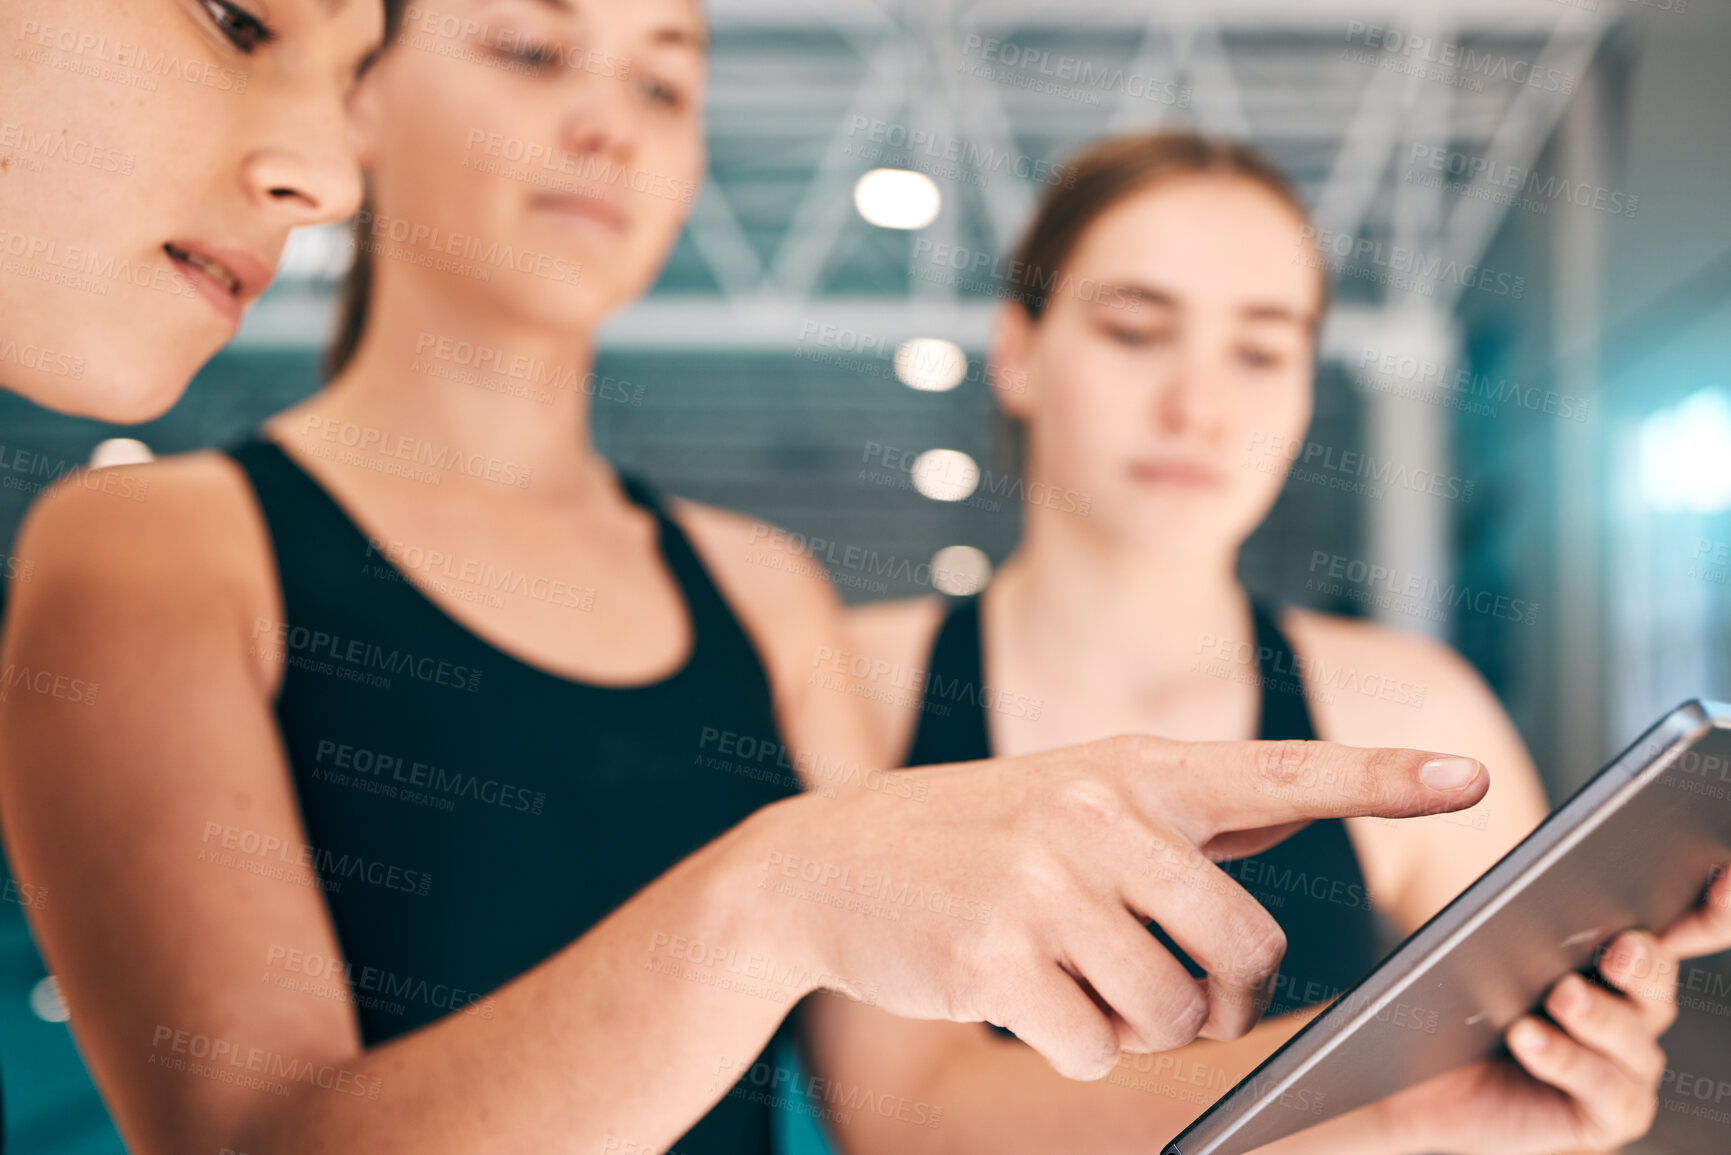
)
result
[(1227, 788)]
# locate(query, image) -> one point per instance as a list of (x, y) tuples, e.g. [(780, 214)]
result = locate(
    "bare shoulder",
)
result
[(898, 631), (146, 547), (781, 589), (782, 595), (897, 636), (788, 604), (1370, 683), (828, 664), (140, 515)]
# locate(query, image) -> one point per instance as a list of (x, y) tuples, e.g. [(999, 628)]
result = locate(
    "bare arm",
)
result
[(163, 820), (159, 818), (997, 1095)]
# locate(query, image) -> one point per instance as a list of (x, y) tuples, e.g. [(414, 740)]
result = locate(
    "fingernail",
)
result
[(1449, 773)]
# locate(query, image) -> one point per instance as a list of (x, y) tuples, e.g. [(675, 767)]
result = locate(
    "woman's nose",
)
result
[(601, 120), (304, 168), (1191, 397)]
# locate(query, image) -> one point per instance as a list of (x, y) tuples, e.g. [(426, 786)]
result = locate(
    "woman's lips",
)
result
[(230, 278), (1188, 474), (590, 209)]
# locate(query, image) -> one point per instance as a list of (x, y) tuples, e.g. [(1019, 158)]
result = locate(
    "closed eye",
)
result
[(535, 56), (665, 94), (1136, 338)]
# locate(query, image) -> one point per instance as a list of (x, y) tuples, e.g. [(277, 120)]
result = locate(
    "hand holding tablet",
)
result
[(1646, 842), (1585, 1081), (1589, 1079)]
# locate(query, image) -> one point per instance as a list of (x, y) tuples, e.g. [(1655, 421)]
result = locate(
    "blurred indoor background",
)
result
[(1558, 347)]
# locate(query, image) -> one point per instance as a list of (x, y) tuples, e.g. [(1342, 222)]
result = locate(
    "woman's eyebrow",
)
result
[(675, 35), (1273, 312), (1140, 293), (680, 36), (1144, 294)]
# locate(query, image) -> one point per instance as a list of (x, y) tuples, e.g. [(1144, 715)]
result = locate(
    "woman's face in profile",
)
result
[(1177, 348), (154, 156), (534, 160)]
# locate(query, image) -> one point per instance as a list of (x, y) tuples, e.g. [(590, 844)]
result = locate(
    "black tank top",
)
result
[(470, 814), (1311, 883)]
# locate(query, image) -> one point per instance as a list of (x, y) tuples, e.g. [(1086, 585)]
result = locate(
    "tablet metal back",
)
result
[(1634, 847)]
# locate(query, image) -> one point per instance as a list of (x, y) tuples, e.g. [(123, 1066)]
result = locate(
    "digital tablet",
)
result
[(1635, 847)]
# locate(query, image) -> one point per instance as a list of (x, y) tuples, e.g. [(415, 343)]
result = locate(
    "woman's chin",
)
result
[(1186, 534), (578, 307), (117, 391)]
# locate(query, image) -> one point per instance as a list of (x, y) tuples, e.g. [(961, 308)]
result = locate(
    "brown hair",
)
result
[(352, 301), (358, 284), (1108, 171)]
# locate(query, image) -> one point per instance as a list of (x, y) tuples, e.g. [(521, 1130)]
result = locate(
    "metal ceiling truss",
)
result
[(1269, 71)]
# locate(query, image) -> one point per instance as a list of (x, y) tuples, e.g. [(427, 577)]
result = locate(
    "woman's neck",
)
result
[(1095, 611), (454, 377)]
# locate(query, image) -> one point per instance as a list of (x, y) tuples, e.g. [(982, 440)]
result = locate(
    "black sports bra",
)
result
[(1311, 883), (470, 814)]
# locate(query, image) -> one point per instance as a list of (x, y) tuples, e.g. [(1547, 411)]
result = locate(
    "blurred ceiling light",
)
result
[(120, 451), (897, 198), (945, 474), (960, 570), (931, 364), (46, 1002), (1686, 454)]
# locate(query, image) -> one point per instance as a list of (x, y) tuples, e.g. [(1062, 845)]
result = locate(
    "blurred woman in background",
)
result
[(426, 806), (1160, 337), (153, 159)]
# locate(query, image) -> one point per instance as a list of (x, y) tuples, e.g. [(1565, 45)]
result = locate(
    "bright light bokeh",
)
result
[(120, 451), (960, 570), (946, 474), (1686, 454), (896, 198), (47, 1003), (931, 364)]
